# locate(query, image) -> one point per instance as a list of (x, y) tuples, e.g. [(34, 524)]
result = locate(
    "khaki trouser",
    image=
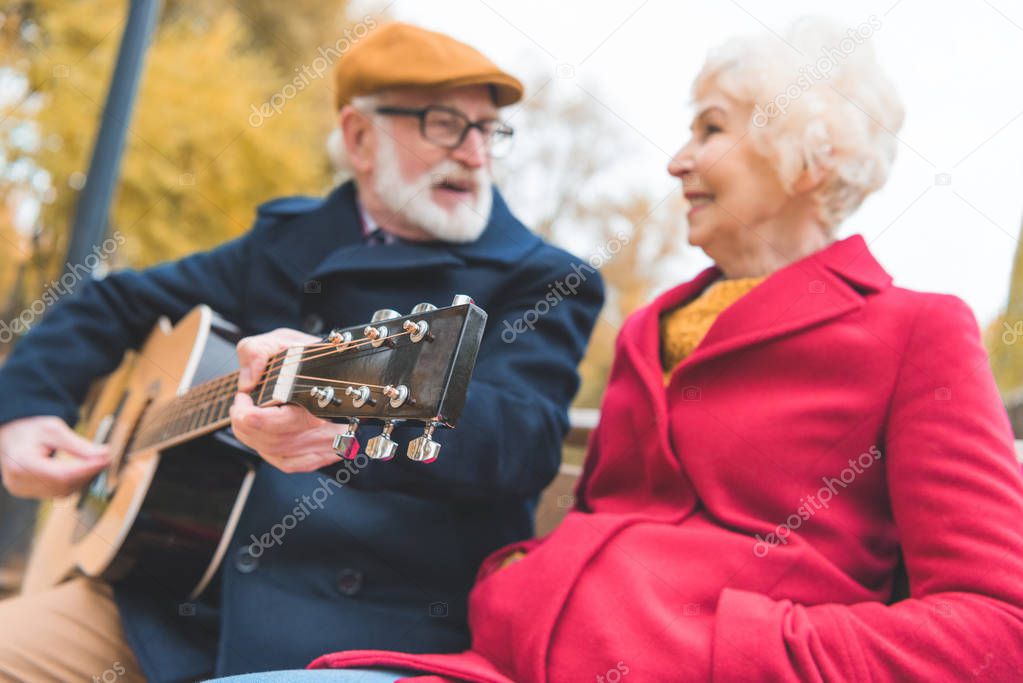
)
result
[(68, 633)]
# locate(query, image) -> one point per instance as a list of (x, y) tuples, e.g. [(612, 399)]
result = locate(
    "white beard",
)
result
[(412, 199)]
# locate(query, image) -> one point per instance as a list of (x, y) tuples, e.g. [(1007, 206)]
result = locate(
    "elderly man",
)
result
[(388, 562)]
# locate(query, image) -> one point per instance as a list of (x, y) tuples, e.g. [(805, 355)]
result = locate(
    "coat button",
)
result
[(245, 561), (313, 324), (349, 582)]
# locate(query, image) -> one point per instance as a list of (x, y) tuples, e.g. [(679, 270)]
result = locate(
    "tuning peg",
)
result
[(378, 333), (324, 396), (383, 314), (344, 441), (461, 299), (424, 448), (398, 395), (360, 396), (420, 329), (417, 331), (383, 447), (339, 338)]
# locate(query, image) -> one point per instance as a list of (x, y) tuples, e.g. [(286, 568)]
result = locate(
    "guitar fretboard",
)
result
[(202, 409)]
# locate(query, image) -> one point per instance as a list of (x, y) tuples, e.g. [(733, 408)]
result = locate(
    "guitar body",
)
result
[(165, 509), (167, 515)]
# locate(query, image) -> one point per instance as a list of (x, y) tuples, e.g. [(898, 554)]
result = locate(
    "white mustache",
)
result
[(449, 171)]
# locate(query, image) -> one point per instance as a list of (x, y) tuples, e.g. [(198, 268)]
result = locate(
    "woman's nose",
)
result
[(680, 164)]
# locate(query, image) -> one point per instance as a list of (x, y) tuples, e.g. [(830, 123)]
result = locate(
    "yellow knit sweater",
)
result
[(683, 328)]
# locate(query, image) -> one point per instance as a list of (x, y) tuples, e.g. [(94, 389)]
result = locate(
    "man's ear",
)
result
[(359, 138)]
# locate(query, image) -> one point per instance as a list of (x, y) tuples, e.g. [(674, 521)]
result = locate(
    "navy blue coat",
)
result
[(389, 560)]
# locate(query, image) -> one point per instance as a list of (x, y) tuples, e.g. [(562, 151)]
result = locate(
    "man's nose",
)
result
[(473, 151)]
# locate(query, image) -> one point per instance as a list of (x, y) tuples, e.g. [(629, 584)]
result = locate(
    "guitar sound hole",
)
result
[(96, 496), (92, 503)]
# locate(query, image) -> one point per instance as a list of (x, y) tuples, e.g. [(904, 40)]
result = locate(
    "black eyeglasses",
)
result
[(448, 127)]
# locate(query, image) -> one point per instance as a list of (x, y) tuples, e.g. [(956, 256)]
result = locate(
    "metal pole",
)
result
[(90, 224), (93, 209)]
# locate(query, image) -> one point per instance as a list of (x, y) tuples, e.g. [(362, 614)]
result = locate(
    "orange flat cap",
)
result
[(398, 55)]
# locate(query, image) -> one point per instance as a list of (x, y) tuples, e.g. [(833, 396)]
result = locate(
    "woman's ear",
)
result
[(810, 179), (358, 137)]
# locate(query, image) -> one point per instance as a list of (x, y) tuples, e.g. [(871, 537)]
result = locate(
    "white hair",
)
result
[(820, 102), (464, 223), (336, 150)]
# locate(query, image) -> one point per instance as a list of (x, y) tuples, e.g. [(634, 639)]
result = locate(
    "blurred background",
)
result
[(607, 105)]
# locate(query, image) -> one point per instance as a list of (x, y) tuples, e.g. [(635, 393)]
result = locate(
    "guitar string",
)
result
[(140, 443), (231, 378), (214, 389), (312, 356)]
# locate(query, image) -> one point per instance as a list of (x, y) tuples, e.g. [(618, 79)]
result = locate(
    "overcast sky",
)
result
[(956, 65)]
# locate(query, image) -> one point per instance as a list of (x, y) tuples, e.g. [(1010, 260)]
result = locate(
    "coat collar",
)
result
[(824, 285), (327, 240)]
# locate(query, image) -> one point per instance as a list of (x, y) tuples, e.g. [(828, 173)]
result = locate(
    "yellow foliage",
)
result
[(640, 240), (1004, 337), (196, 161), (1004, 342)]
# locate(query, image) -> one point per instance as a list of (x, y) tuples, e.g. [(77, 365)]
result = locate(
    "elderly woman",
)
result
[(782, 437)]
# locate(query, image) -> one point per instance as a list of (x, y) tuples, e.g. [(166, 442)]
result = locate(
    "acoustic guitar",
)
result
[(167, 511)]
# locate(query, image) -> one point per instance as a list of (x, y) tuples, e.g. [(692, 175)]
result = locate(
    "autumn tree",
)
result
[(1004, 337), (199, 154), (565, 178)]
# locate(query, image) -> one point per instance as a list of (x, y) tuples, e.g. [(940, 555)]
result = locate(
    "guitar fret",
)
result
[(211, 398), (227, 391), (164, 425), (202, 406), (193, 421), (228, 401), (205, 404), (172, 418), (232, 390), (178, 414), (211, 403), (179, 419), (273, 374), (223, 403), (258, 399)]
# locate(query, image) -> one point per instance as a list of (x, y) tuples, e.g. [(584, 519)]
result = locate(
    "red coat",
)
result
[(745, 523)]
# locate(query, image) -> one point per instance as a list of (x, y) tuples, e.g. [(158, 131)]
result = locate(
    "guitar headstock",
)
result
[(394, 369)]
